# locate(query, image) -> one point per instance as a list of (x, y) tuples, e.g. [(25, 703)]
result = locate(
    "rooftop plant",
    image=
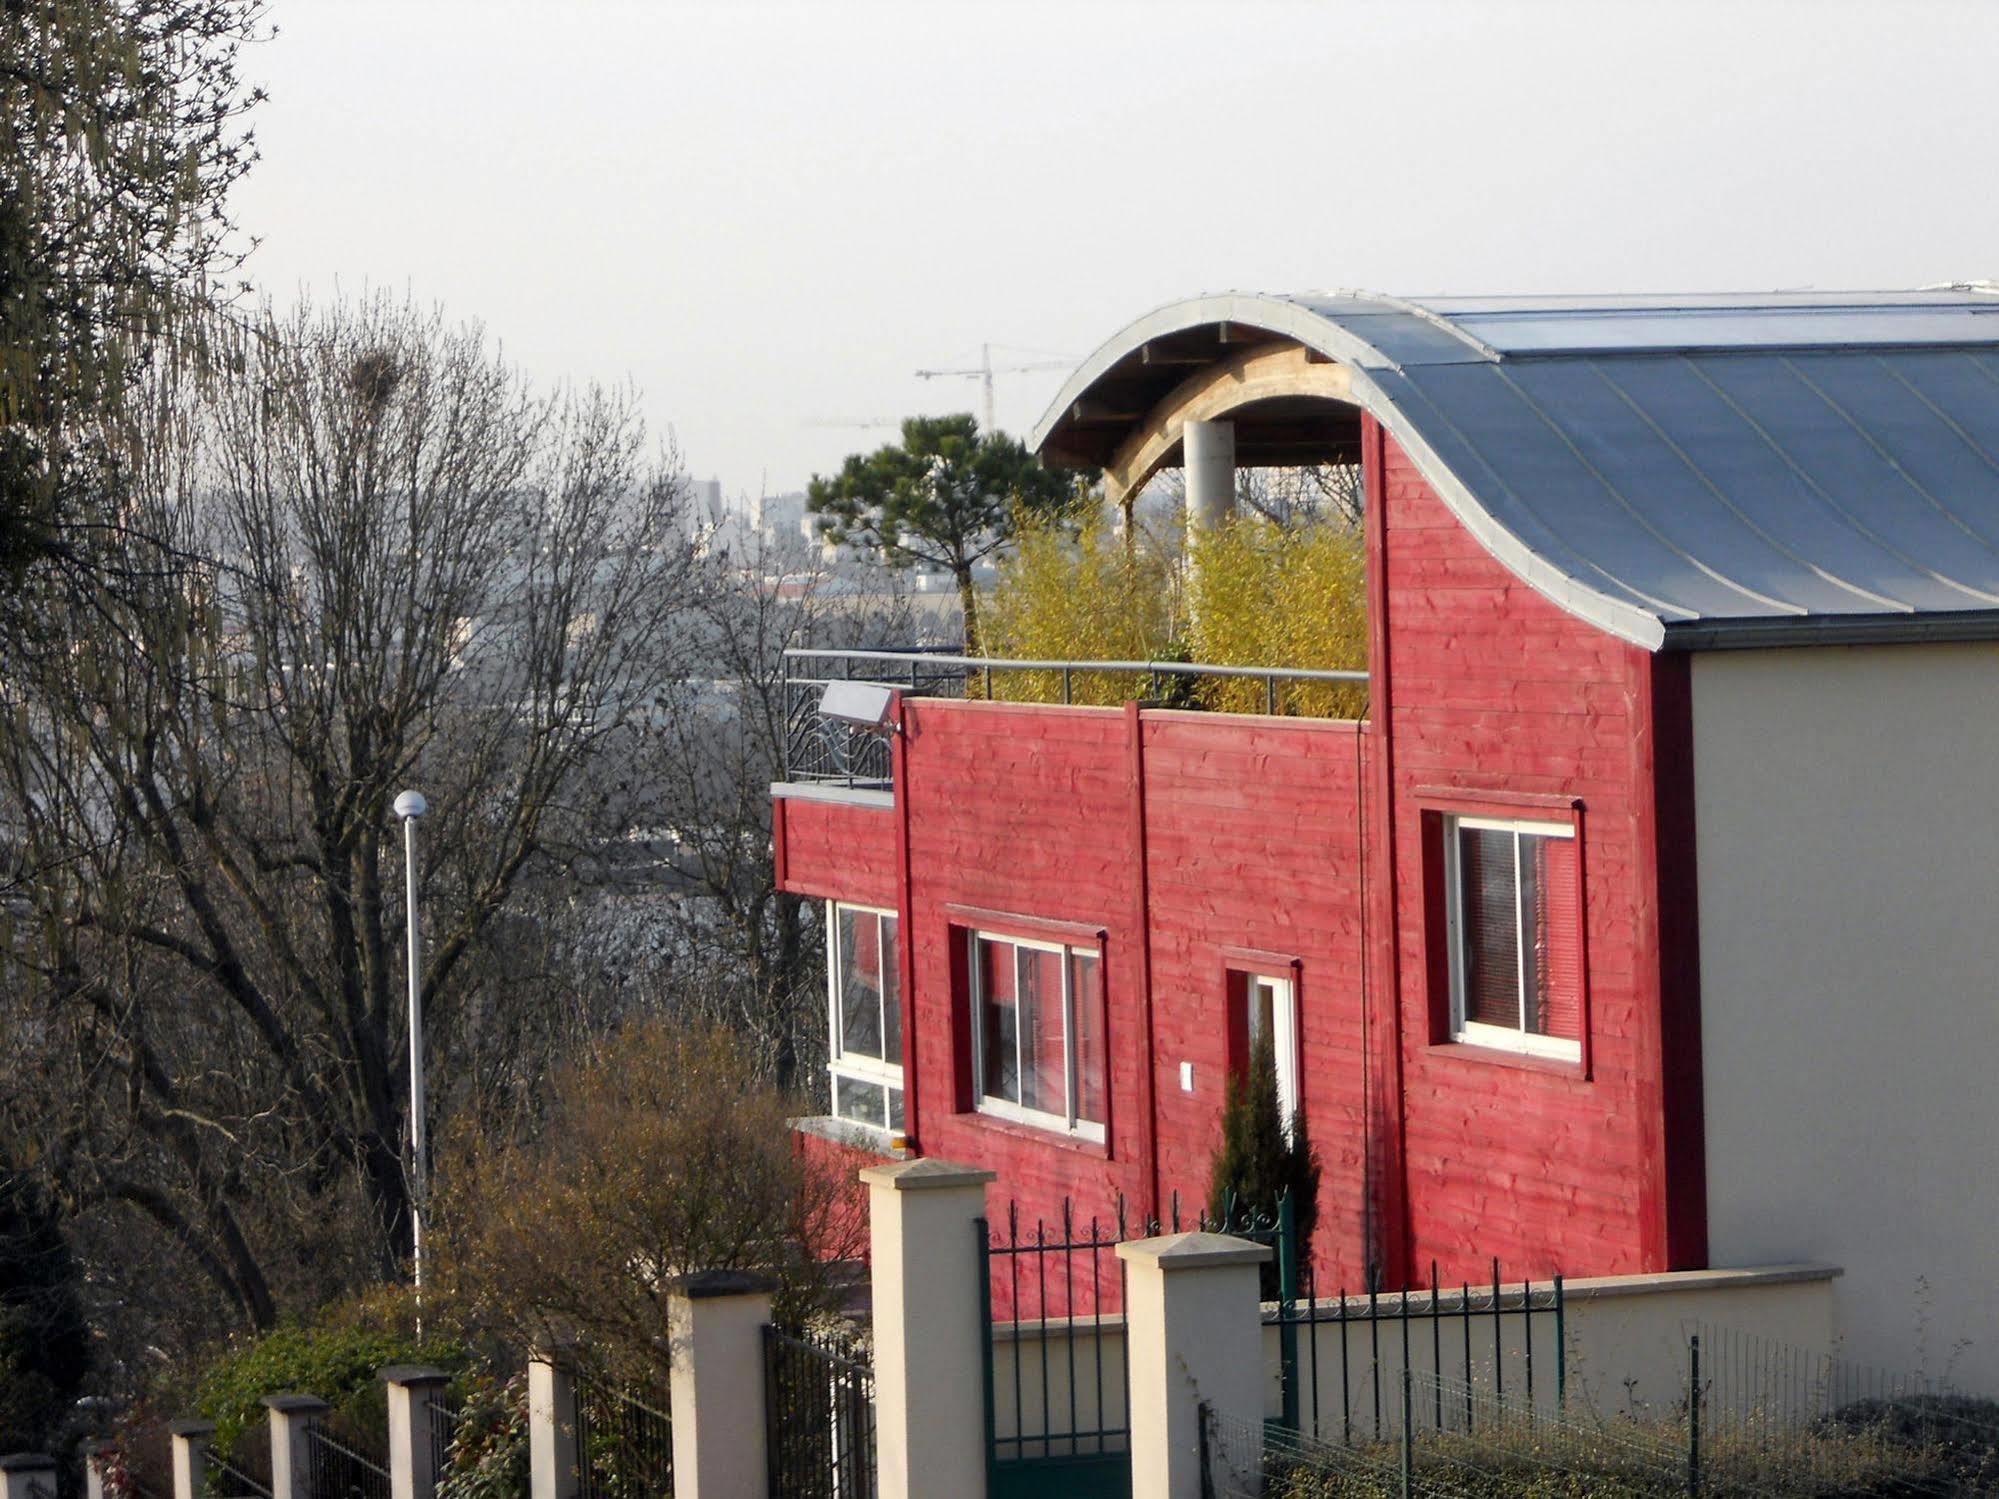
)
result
[(1271, 595), (1081, 595), (1252, 592)]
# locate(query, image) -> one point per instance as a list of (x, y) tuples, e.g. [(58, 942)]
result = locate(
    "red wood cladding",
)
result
[(1490, 686), (1254, 841), (835, 849), (1247, 835), (1179, 835)]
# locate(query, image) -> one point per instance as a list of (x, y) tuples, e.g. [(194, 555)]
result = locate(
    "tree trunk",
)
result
[(968, 600)]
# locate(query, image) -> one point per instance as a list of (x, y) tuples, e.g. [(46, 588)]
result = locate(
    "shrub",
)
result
[(488, 1458), (662, 1153), (1080, 596), (1261, 595), (335, 1356), (1956, 1435), (1256, 1165), (1267, 595)]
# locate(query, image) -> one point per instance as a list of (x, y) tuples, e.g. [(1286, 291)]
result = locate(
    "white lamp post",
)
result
[(409, 807)]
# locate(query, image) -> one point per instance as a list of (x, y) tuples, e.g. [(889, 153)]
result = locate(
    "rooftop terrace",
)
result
[(818, 748)]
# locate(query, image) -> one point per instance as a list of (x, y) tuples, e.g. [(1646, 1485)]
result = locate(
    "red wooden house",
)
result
[(1641, 924)]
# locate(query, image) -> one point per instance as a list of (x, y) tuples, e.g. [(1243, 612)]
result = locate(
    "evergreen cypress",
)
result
[(1256, 1164)]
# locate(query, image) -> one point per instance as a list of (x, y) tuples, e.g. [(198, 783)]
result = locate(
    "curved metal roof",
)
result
[(1682, 471)]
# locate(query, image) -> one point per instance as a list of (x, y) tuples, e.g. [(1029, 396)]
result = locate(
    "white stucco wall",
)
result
[(1847, 805)]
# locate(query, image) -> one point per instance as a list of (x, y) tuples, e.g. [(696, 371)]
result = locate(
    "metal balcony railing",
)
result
[(817, 749)]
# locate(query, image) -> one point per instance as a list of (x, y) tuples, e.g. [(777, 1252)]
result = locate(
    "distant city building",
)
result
[(774, 516)]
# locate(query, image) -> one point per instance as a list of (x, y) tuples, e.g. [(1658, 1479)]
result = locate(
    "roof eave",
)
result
[(1760, 633)]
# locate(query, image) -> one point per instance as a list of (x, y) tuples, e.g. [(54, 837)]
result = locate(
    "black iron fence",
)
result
[(817, 748), (1344, 1377), (819, 1404), (1056, 1384), (238, 1476), (624, 1441), (820, 749), (1057, 1395), (445, 1419), (337, 1470)]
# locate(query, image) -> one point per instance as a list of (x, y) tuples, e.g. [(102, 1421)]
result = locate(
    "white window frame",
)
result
[(1477, 1033), (1002, 1108), (1283, 1039), (839, 1064)]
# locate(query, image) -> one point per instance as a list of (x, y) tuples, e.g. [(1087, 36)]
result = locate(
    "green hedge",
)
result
[(336, 1361)]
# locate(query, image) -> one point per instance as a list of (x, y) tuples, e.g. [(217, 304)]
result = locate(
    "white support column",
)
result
[(1193, 1335), (27, 1475), (551, 1427), (930, 1410), (97, 1459), (291, 1416), (189, 1442), (716, 1322), (1208, 459), (412, 1457)]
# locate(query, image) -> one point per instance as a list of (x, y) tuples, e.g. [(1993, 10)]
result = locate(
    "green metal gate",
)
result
[(1057, 1399), (1056, 1393)]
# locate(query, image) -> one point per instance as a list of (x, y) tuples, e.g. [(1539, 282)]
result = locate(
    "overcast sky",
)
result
[(769, 216)]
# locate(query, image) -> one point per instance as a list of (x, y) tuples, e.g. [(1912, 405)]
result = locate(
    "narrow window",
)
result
[(1514, 929), (1271, 1012), (864, 1016), (1039, 1033)]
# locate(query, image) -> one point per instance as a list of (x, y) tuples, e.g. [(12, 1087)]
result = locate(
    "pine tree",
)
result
[(947, 494), (1257, 1163)]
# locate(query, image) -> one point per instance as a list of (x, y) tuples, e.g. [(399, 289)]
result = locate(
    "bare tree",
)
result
[(122, 133), (370, 558), (741, 951), (1311, 494)]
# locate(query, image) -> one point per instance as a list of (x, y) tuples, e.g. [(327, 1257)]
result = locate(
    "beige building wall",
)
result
[(1847, 817)]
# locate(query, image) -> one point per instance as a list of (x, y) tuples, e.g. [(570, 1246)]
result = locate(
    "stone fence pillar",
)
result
[(291, 1416), (552, 1472), (716, 1320), (412, 1454), (27, 1475), (189, 1445), (97, 1468), (930, 1411), (1193, 1336)]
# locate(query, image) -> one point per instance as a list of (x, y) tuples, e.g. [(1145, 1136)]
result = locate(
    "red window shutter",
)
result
[(1558, 939), (1488, 914)]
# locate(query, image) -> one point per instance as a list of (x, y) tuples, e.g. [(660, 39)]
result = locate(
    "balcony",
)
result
[(824, 750)]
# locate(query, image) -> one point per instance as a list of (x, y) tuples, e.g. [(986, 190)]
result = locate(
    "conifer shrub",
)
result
[(1257, 1164)]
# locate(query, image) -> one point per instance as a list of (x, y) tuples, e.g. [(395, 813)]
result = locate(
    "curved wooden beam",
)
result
[(1257, 374)]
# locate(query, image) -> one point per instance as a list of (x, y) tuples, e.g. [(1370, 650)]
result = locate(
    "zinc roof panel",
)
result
[(1790, 399), (1509, 434)]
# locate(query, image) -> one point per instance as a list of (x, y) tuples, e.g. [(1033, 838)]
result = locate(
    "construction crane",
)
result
[(987, 369)]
